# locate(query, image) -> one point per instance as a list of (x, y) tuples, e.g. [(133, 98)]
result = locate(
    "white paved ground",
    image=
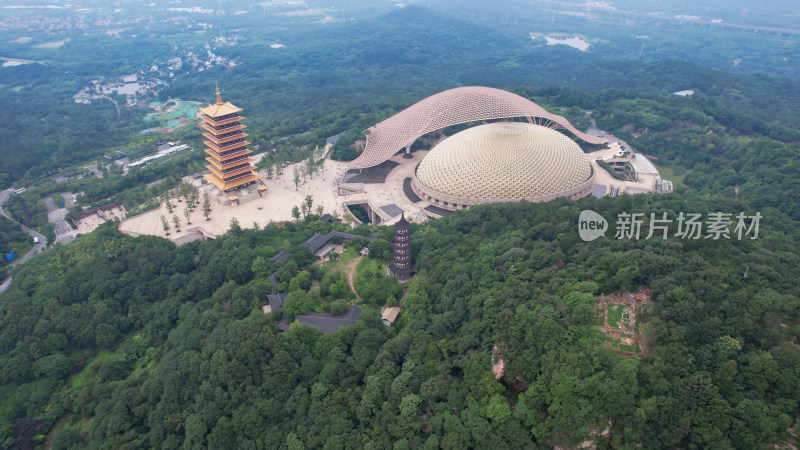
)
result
[(646, 183), (276, 204)]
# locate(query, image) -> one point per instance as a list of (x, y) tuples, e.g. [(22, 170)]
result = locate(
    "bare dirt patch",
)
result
[(351, 274), (618, 316)]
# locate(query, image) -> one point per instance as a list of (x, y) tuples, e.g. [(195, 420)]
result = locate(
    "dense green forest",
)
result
[(120, 342), (116, 342)]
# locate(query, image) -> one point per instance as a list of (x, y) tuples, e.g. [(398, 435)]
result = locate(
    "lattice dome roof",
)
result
[(504, 160), (451, 107)]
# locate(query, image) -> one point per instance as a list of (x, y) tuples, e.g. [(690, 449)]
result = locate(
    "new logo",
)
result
[(591, 225)]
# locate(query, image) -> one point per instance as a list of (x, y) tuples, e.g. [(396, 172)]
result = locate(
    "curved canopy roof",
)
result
[(447, 108), (505, 160)]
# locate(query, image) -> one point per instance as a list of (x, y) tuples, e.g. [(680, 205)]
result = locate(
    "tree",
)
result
[(339, 307), (498, 410), (206, 205), (105, 335), (260, 268), (294, 443), (409, 408), (165, 224), (310, 166), (296, 212), (269, 170), (66, 439), (193, 195), (304, 209), (297, 302), (184, 190), (234, 226), (320, 210), (300, 282), (309, 203), (380, 249), (187, 213), (296, 177), (170, 206), (177, 222)]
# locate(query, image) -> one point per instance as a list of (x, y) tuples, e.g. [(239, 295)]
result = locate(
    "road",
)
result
[(56, 216), (4, 195)]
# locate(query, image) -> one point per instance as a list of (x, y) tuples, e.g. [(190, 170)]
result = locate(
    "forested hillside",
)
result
[(117, 342), (120, 342)]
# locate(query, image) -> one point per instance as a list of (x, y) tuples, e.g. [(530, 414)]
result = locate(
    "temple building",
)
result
[(401, 265), (229, 159)]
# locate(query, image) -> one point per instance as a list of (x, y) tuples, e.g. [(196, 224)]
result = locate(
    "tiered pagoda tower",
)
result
[(229, 159), (401, 265)]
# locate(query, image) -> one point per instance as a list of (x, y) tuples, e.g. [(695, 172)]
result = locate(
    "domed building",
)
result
[(503, 162)]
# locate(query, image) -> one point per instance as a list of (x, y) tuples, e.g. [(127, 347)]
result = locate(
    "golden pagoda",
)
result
[(229, 159)]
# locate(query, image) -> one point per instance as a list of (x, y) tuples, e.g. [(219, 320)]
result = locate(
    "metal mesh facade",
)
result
[(447, 108), (503, 162)]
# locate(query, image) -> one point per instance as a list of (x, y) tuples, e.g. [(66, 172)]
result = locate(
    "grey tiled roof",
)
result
[(281, 256), (328, 323)]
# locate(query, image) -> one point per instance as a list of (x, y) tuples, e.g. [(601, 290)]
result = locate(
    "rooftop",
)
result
[(505, 161), (281, 256), (390, 314), (326, 322), (317, 241), (220, 108)]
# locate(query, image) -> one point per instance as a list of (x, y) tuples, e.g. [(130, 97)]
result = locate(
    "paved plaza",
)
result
[(276, 203)]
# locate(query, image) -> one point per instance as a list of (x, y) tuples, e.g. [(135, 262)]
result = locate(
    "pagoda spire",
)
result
[(219, 97)]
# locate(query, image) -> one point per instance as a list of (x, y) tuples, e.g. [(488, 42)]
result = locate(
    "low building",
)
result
[(320, 245), (327, 218), (275, 303), (389, 315), (281, 256)]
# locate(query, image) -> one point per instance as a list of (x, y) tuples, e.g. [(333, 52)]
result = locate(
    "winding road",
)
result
[(4, 196)]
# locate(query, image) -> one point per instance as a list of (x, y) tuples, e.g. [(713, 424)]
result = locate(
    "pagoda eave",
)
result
[(222, 159), (212, 130), (226, 186), (217, 141)]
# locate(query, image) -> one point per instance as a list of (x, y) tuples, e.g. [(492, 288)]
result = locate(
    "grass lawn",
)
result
[(614, 314), (668, 173), (348, 255), (340, 264)]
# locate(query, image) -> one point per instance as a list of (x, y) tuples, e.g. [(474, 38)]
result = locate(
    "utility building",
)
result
[(229, 159)]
